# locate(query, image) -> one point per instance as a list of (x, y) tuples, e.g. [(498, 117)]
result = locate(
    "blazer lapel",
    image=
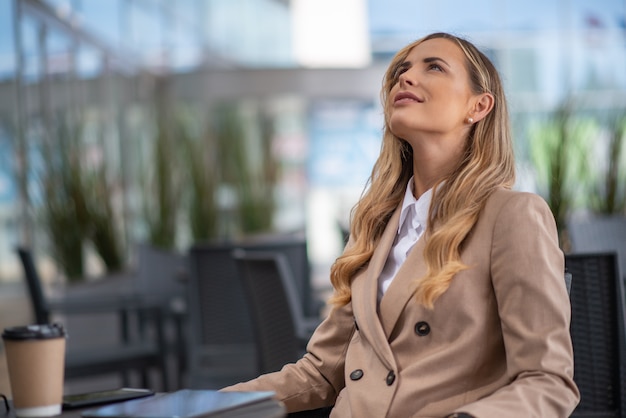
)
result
[(365, 291), (402, 288)]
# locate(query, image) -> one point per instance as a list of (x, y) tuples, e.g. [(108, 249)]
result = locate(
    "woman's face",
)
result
[(431, 94)]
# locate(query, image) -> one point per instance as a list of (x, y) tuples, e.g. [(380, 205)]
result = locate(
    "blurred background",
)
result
[(130, 122), (162, 121)]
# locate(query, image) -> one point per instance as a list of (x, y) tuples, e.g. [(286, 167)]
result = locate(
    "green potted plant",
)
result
[(608, 194), (77, 204), (201, 175), (103, 228), (247, 166), (64, 204), (558, 151), (161, 180), (257, 203)]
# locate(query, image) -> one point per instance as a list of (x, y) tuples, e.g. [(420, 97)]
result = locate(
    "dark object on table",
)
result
[(83, 400)]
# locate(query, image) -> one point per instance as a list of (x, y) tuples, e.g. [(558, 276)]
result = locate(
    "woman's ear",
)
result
[(482, 106)]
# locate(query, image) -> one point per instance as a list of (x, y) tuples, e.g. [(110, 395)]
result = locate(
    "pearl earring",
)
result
[(470, 120)]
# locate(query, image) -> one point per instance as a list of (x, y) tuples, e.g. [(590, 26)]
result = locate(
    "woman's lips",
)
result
[(406, 97)]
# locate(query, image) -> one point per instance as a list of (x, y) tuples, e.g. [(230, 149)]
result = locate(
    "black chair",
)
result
[(597, 329), (161, 279), (140, 347), (295, 249), (599, 234), (220, 345), (280, 327)]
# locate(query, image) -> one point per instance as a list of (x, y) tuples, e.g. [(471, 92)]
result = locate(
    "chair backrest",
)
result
[(160, 275), (221, 348), (218, 311), (216, 299), (599, 234), (597, 329), (294, 247), (35, 289), (274, 307)]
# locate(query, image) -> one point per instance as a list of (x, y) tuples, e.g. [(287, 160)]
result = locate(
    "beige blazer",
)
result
[(496, 344)]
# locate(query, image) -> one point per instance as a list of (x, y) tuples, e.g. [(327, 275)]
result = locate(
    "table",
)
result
[(187, 402), (74, 413)]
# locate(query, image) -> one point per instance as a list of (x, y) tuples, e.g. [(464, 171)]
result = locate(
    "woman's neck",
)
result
[(432, 164)]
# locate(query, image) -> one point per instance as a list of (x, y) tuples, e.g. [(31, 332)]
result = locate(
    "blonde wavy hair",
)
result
[(488, 163)]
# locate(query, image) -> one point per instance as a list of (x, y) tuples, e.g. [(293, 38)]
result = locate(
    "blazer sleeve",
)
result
[(316, 379), (527, 269)]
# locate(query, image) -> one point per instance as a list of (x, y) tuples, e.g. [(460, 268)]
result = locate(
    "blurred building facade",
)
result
[(108, 72)]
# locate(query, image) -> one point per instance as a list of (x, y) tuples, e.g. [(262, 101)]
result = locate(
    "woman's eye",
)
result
[(435, 67)]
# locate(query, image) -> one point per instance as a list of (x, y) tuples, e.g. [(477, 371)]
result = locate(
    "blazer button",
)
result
[(391, 377), (357, 374), (422, 328)]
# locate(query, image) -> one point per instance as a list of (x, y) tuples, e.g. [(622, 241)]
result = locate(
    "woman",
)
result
[(449, 297)]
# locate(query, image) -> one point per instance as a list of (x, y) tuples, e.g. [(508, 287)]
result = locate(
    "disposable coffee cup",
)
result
[(36, 360)]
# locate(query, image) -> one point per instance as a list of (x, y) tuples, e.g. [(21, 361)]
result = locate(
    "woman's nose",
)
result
[(406, 78)]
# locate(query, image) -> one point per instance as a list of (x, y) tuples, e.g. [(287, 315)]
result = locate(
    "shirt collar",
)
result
[(419, 207)]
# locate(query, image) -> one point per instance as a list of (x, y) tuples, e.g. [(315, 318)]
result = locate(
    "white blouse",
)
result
[(413, 222)]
